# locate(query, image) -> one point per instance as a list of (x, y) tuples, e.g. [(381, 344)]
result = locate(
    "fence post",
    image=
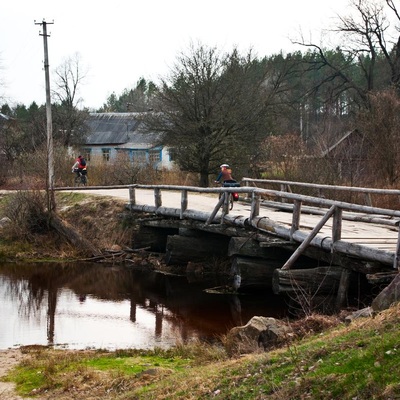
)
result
[(157, 197), (283, 189), (396, 261), (225, 205), (337, 225), (184, 202), (368, 199), (132, 196), (295, 218), (247, 184), (255, 205)]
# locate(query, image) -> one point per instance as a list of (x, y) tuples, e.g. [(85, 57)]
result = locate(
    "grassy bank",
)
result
[(356, 361), (102, 220)]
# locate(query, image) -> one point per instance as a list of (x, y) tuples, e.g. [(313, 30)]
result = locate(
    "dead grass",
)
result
[(98, 219), (328, 359)]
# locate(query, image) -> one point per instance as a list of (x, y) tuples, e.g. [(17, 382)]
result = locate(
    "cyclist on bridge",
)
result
[(225, 175)]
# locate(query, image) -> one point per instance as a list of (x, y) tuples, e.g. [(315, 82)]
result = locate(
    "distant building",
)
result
[(113, 134), (349, 155)]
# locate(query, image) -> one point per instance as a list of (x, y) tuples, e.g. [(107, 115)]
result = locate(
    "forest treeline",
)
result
[(321, 114)]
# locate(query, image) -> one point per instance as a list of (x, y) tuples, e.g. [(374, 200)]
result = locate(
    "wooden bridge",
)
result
[(298, 219)]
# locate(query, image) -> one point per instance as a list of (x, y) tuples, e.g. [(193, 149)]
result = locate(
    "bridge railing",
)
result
[(321, 190), (335, 210), (331, 208)]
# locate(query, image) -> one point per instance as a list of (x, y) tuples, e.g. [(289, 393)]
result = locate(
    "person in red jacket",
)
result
[(225, 175), (80, 166)]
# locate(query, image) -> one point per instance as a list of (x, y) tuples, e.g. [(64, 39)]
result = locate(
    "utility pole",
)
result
[(51, 204)]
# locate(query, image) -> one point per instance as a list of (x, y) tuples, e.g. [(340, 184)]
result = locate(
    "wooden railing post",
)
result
[(255, 205), (396, 261), (132, 196), (295, 218), (225, 205), (368, 199), (247, 184), (337, 225), (184, 202), (283, 189), (157, 197)]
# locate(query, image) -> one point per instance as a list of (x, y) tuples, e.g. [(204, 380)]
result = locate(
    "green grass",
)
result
[(136, 364), (70, 198)]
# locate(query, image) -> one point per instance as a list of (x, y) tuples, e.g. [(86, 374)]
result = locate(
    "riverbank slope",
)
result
[(355, 361)]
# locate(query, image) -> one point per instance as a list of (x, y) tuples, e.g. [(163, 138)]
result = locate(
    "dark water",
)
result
[(102, 306)]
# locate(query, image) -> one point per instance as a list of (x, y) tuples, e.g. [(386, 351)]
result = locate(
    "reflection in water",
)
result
[(102, 306)]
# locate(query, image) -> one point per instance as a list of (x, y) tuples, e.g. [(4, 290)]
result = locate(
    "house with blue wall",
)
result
[(114, 134)]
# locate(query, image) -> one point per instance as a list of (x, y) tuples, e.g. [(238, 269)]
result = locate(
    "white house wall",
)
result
[(96, 152), (166, 159)]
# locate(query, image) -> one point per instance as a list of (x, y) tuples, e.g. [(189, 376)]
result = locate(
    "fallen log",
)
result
[(254, 271), (72, 236), (311, 281), (250, 247)]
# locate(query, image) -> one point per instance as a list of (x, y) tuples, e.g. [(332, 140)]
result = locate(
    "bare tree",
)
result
[(68, 119), (210, 110), (380, 125), (369, 52)]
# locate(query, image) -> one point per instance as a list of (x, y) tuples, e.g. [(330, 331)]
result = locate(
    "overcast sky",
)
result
[(120, 41)]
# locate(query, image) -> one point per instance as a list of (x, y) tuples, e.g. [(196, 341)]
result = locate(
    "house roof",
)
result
[(119, 129), (336, 144)]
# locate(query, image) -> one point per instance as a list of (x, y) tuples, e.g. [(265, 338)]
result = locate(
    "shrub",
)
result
[(27, 213)]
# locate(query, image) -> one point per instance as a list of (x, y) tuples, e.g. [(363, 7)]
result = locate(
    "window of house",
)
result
[(172, 154), (154, 156), (87, 154), (106, 154), (139, 156)]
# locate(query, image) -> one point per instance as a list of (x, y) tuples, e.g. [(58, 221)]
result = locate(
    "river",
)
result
[(98, 306)]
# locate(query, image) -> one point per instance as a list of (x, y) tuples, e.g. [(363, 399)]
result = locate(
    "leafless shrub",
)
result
[(380, 126), (27, 213)]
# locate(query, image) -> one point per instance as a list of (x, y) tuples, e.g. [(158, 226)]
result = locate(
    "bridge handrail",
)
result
[(323, 186), (254, 191), (335, 211)]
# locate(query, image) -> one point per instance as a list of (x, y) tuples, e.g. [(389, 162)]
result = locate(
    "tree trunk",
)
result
[(73, 237), (203, 179)]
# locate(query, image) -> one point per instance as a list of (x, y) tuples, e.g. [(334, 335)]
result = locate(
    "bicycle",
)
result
[(80, 178), (233, 196)]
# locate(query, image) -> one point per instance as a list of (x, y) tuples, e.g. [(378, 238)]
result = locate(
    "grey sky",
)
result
[(122, 40)]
